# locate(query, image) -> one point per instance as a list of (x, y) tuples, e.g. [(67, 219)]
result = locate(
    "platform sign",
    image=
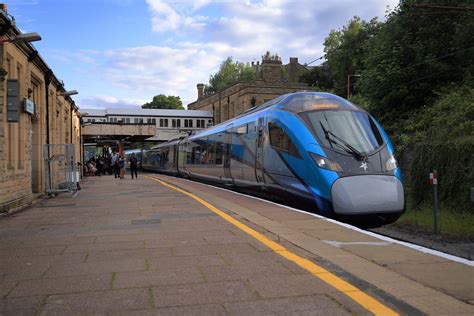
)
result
[(29, 106)]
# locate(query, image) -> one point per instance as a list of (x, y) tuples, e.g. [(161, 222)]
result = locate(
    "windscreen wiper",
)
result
[(347, 147)]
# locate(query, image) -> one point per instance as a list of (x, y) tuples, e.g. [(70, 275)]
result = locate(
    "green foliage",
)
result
[(411, 57), (454, 164), (229, 72), (452, 223), (346, 50), (319, 76), (162, 101), (449, 119)]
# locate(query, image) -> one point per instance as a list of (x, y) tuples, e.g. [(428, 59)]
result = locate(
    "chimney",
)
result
[(293, 60), (200, 87), (271, 68)]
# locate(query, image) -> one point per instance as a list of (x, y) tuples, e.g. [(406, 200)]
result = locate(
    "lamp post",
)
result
[(349, 84), (67, 94), (24, 37)]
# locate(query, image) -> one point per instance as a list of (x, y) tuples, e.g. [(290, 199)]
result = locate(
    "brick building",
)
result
[(34, 110), (273, 79)]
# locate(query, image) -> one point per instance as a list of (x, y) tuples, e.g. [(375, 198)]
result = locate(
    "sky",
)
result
[(121, 53)]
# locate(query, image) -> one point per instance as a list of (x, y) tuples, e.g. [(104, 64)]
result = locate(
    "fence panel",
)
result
[(60, 166)]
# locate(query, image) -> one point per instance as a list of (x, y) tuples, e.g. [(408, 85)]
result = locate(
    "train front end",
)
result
[(353, 159)]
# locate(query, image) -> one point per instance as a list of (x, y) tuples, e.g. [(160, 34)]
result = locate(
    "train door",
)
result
[(228, 151), (259, 151)]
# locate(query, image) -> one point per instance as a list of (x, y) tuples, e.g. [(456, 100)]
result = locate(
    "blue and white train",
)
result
[(316, 150)]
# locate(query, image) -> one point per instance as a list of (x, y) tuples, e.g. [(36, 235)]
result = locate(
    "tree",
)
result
[(414, 55), (346, 50), (229, 72), (319, 77), (162, 101)]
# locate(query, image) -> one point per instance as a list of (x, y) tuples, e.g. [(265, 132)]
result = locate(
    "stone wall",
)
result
[(22, 169)]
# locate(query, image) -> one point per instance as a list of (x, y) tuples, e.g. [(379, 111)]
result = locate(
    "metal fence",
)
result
[(61, 174)]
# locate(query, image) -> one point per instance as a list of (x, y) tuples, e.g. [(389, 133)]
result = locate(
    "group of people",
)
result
[(112, 165), (118, 163)]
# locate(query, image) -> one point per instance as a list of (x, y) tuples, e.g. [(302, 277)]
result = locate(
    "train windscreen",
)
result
[(339, 129)]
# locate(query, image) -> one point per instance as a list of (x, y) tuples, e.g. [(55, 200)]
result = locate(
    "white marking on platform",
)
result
[(385, 238), (340, 244)]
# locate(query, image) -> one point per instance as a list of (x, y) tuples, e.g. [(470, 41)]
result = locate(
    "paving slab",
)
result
[(97, 302), (302, 305)]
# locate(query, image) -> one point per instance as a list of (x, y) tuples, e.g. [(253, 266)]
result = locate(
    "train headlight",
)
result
[(325, 163), (391, 163)]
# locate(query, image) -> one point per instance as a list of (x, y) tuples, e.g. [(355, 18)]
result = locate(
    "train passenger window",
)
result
[(193, 155), (211, 153), (242, 129), (188, 154), (281, 141), (204, 154), (219, 153)]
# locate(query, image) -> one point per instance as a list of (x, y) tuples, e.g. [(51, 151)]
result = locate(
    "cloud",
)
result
[(152, 70), (204, 33), (107, 101)]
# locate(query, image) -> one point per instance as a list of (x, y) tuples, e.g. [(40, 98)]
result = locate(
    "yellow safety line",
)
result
[(365, 300)]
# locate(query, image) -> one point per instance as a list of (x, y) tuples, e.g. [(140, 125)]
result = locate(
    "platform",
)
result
[(163, 245)]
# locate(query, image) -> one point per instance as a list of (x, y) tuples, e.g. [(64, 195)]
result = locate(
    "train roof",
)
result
[(296, 102), (311, 101)]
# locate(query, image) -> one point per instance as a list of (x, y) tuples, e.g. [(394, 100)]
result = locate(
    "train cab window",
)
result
[(219, 153), (281, 141)]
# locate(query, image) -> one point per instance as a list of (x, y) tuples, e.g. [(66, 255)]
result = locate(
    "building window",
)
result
[(153, 121), (166, 122), (148, 121), (200, 123), (178, 123), (127, 120), (188, 123)]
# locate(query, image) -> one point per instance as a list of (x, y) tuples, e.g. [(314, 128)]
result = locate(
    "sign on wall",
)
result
[(13, 100), (29, 106)]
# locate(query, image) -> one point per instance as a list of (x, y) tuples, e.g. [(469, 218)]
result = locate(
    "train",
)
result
[(313, 150)]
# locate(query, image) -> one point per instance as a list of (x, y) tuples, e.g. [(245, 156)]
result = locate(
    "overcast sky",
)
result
[(120, 53)]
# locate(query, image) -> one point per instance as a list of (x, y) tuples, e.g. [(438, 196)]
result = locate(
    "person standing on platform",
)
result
[(115, 164), (133, 165), (122, 166)]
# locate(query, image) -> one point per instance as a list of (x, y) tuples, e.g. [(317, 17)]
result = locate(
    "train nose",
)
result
[(367, 194)]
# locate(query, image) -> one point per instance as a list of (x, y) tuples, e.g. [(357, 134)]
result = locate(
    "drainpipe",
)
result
[(47, 81)]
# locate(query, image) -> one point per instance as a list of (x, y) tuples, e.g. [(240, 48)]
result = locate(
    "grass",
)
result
[(452, 223)]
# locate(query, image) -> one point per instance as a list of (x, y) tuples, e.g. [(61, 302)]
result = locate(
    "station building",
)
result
[(272, 79), (35, 110)]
